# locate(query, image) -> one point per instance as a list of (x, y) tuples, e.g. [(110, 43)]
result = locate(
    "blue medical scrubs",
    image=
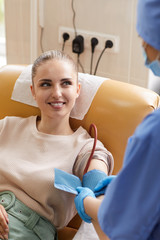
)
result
[(131, 207)]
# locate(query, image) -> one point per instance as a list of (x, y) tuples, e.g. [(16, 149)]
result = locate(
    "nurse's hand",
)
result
[(103, 184), (83, 192), (4, 220)]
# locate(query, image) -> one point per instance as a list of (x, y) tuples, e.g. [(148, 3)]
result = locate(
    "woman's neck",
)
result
[(50, 126)]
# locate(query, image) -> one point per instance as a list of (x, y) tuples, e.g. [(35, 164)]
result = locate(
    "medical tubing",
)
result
[(94, 146)]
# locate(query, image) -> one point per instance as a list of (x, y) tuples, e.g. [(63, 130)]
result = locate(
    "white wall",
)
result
[(116, 17)]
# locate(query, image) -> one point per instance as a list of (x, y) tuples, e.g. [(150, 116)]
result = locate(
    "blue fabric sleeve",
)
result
[(131, 207)]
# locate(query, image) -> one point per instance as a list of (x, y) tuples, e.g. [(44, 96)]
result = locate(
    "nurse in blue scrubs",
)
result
[(130, 209)]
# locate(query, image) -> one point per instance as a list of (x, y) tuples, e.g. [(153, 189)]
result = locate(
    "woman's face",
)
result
[(55, 88)]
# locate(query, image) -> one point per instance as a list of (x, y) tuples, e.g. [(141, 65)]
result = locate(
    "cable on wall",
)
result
[(65, 38), (108, 44), (74, 17), (94, 42), (79, 63), (78, 48), (41, 22), (41, 39), (78, 42)]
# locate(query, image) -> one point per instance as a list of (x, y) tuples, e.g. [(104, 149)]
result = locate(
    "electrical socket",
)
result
[(87, 39)]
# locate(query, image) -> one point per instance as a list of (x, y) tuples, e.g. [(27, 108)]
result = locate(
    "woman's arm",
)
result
[(99, 165), (91, 206), (87, 206)]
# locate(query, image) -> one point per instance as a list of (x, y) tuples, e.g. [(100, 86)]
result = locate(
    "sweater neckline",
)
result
[(38, 133)]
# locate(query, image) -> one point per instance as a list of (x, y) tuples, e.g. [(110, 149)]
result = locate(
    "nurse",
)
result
[(130, 209)]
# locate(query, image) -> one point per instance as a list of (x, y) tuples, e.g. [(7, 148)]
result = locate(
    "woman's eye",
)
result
[(67, 83), (45, 84)]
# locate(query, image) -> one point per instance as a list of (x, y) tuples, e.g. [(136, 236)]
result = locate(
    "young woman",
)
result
[(30, 206)]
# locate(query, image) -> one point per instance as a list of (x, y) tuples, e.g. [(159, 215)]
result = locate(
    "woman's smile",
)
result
[(57, 105)]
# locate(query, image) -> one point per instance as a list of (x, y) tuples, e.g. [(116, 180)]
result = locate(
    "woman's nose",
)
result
[(56, 91)]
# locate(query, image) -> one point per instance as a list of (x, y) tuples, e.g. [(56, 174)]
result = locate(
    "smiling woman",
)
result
[(43, 143)]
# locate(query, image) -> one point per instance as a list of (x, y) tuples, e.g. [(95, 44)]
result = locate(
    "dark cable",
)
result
[(74, 16), (75, 30), (91, 62), (108, 44), (94, 42), (79, 63), (63, 46), (65, 38), (99, 61), (78, 48)]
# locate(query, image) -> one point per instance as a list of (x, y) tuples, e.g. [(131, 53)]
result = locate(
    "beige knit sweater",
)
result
[(27, 161)]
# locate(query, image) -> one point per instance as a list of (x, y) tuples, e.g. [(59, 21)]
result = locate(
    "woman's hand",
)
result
[(4, 220)]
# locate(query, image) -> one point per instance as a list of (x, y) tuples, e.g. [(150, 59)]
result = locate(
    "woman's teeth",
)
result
[(57, 104)]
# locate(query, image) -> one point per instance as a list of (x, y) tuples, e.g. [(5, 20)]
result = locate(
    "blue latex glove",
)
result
[(102, 185), (82, 194)]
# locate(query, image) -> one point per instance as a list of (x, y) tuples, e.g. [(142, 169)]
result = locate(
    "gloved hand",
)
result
[(82, 194), (100, 188)]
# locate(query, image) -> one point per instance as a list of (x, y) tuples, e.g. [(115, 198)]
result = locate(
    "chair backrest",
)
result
[(116, 110)]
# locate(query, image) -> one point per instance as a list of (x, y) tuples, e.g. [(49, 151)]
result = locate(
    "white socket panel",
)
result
[(87, 35)]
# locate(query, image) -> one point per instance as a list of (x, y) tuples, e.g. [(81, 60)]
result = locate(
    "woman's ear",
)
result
[(33, 91), (78, 89)]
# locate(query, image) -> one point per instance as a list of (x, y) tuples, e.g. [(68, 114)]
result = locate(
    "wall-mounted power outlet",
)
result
[(87, 35)]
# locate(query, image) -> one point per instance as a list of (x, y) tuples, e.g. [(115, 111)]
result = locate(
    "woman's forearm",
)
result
[(91, 206)]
